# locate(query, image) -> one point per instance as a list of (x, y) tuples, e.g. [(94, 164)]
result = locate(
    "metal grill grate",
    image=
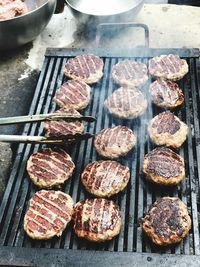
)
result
[(139, 194)]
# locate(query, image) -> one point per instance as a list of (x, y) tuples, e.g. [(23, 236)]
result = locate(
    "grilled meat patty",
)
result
[(126, 103), (163, 166), (48, 214), (167, 221), (50, 167), (105, 178), (87, 68), (170, 67), (73, 95), (62, 127), (167, 129), (130, 73), (114, 142), (97, 219), (166, 94)]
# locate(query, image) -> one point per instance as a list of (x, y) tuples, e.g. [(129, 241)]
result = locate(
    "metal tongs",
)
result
[(61, 139)]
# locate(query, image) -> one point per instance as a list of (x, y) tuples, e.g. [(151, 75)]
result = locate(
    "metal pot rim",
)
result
[(137, 2)]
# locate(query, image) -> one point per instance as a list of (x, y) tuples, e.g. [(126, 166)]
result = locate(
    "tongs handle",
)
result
[(44, 117), (121, 25), (45, 140)]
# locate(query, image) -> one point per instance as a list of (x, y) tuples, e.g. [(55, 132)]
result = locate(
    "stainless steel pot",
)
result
[(91, 11), (23, 29)]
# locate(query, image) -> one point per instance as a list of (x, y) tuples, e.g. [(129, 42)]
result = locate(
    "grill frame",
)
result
[(13, 241)]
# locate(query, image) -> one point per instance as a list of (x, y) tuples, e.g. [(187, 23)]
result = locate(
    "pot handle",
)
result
[(121, 25)]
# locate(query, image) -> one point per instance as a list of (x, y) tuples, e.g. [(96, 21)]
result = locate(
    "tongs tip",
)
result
[(45, 117)]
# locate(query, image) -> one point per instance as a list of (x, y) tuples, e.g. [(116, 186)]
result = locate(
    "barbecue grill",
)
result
[(131, 247)]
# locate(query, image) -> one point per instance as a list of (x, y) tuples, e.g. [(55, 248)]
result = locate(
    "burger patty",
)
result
[(166, 94), (97, 219), (73, 95), (167, 129), (62, 127), (126, 103), (163, 166), (87, 68), (167, 221), (50, 167), (130, 73), (170, 67), (48, 214), (105, 178), (114, 142)]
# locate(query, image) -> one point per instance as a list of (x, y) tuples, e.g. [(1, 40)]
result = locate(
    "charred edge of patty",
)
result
[(167, 221), (166, 93)]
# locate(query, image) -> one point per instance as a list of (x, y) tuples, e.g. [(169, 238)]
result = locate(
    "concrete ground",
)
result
[(169, 26)]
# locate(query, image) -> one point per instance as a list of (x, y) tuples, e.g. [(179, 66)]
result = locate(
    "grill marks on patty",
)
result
[(163, 166), (131, 69), (166, 123), (105, 178), (116, 135), (166, 93), (87, 68), (163, 161), (126, 103), (48, 214), (97, 219), (61, 127), (114, 142), (167, 129), (130, 73), (73, 95), (50, 167), (168, 66), (167, 221)]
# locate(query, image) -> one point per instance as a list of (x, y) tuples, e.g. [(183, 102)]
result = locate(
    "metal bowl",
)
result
[(23, 29), (90, 11)]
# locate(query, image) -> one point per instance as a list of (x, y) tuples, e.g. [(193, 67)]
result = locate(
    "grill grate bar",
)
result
[(139, 188), (131, 197), (108, 123), (192, 180), (178, 191), (72, 190), (185, 244), (196, 110), (148, 196)]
